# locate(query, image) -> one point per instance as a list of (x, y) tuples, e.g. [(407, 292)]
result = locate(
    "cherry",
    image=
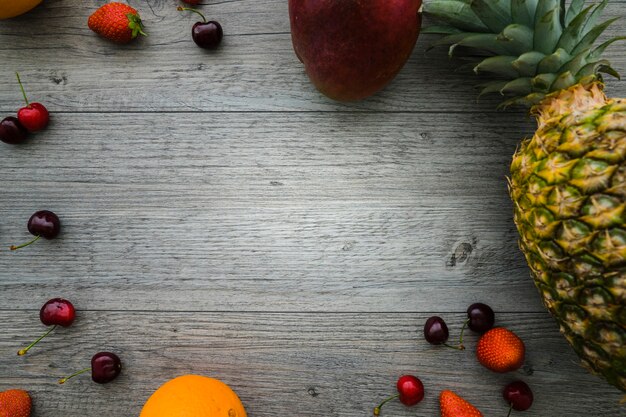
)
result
[(410, 392), (207, 35), (436, 331), (480, 317), (105, 367), (12, 131), (410, 389), (519, 395), (55, 312), (34, 116), (44, 224), (192, 2)]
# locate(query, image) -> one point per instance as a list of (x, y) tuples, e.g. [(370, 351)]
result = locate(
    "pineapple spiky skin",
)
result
[(568, 183)]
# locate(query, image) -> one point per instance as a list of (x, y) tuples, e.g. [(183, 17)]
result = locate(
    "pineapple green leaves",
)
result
[(533, 47)]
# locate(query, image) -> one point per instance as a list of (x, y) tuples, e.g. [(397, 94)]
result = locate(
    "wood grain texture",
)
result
[(267, 212), (221, 217), (255, 69), (291, 364)]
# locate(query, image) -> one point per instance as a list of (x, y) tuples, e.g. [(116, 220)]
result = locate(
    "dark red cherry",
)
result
[(44, 224), (519, 395), (105, 367), (436, 331), (207, 35), (480, 317), (55, 312), (12, 131)]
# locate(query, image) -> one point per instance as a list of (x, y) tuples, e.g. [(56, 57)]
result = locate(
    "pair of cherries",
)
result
[(31, 118), (411, 391), (105, 366), (480, 318)]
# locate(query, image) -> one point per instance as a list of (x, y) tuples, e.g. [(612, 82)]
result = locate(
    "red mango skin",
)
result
[(353, 48)]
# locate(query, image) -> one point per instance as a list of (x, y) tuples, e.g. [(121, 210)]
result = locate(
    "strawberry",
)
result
[(454, 406), (500, 350), (15, 403), (117, 22)]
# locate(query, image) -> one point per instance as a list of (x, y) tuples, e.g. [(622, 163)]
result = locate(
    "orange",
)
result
[(12, 8), (193, 396)]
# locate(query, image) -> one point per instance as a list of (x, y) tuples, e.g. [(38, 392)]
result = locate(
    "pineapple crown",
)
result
[(531, 47)]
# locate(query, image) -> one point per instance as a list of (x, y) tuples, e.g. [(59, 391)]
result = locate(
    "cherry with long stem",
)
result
[(55, 312), (410, 392), (206, 34), (105, 367), (34, 116), (23, 352), (43, 223)]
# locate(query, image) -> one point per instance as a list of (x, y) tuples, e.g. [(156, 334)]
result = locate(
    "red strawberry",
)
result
[(15, 403), (500, 350), (117, 22), (454, 406)]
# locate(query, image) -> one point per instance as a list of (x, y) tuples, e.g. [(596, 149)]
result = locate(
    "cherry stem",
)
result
[(180, 9), (23, 245), (510, 409), (377, 409), (462, 332), (22, 352), (22, 88), (460, 347), (64, 380)]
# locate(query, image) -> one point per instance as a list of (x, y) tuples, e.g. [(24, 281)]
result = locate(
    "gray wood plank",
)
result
[(71, 69), (266, 212), (290, 364)]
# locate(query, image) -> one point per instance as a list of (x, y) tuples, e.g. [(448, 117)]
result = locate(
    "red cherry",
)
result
[(192, 2), (105, 367), (34, 116), (519, 395), (410, 392), (55, 312)]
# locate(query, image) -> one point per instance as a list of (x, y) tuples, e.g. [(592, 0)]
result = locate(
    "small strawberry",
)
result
[(15, 403), (117, 22), (454, 406), (500, 350)]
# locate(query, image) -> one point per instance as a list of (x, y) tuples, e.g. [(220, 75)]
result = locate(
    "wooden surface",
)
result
[(221, 217)]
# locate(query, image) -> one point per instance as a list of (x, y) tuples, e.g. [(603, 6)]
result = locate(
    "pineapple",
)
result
[(568, 182)]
